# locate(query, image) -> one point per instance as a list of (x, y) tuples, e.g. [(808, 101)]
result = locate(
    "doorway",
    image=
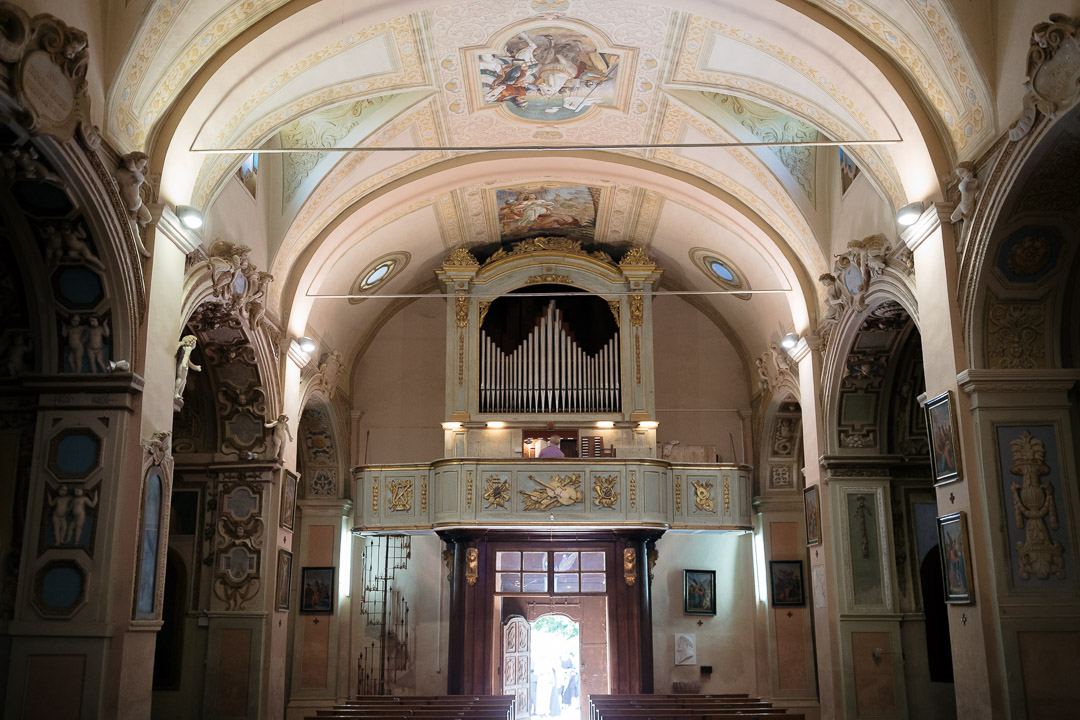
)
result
[(555, 668)]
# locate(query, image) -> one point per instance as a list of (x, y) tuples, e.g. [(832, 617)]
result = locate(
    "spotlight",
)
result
[(192, 218), (908, 214), (496, 424), (451, 425), (306, 344), (648, 424), (789, 341), (605, 424)]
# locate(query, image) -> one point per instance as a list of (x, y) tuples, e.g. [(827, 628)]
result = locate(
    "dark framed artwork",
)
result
[(288, 500), (786, 583), (284, 578), (812, 514), (941, 427), (317, 590), (699, 592), (955, 558)]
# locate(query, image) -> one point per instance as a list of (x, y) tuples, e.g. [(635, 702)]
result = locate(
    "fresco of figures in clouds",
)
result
[(540, 209), (549, 74)]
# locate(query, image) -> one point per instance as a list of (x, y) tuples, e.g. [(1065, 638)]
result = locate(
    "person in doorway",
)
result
[(571, 688), (552, 450)]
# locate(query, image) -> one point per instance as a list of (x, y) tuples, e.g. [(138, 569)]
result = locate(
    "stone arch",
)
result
[(859, 372), (1019, 254), (781, 452)]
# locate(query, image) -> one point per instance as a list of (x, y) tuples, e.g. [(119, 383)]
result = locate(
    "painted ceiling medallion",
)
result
[(550, 73)]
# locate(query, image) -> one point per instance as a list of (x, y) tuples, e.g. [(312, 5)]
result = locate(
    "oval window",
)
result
[(721, 270), (376, 275)]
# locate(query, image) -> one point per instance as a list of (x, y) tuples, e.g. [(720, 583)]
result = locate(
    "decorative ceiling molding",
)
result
[(966, 111), (327, 200), (772, 126), (131, 115), (324, 129), (410, 74)]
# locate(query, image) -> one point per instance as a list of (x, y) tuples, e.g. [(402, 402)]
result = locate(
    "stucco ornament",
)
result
[(237, 282), (560, 490), (183, 365), (969, 191), (130, 177), (1035, 511), (1053, 72), (281, 437)]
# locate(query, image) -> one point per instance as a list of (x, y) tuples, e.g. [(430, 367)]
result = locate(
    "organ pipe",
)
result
[(549, 372)]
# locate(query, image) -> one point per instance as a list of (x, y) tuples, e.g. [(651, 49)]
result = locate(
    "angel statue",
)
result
[(278, 441)]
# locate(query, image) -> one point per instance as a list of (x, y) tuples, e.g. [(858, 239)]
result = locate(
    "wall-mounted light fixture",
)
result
[(496, 424), (789, 341), (306, 344), (451, 425), (648, 424), (909, 214), (605, 424), (189, 216)]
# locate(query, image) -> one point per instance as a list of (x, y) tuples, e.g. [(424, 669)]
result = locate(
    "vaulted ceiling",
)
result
[(334, 85)]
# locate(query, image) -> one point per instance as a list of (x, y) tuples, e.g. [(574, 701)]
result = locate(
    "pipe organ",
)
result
[(549, 372), (546, 331)]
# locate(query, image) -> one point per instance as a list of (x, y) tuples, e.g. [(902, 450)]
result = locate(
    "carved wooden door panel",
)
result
[(516, 663)]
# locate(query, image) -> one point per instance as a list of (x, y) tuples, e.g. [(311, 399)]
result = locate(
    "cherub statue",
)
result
[(969, 188), (834, 297), (75, 334), (330, 369), (54, 244), (24, 163), (76, 248), (96, 334), (130, 177), (79, 505), (278, 440), (762, 374), (15, 356), (184, 364), (61, 505)]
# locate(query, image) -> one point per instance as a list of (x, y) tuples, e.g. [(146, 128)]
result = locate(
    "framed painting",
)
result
[(955, 558), (786, 583), (812, 514), (284, 579), (941, 427), (288, 500), (317, 590), (699, 592)]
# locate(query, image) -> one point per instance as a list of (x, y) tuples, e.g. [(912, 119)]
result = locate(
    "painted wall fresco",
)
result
[(539, 209), (1035, 509), (865, 549), (549, 74)]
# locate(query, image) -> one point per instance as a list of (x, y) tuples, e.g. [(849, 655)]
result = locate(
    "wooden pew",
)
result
[(684, 707)]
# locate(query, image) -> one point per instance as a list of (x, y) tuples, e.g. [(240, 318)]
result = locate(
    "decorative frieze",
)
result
[(1016, 333)]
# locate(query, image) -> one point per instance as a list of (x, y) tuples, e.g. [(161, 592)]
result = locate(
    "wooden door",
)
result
[(516, 663), (594, 650)]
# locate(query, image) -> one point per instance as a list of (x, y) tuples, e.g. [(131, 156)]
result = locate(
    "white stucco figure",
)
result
[(281, 437), (184, 364)]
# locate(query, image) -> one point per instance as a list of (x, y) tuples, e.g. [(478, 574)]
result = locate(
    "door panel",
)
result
[(516, 663)]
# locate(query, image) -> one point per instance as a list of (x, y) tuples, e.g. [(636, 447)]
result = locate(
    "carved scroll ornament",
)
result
[(1053, 72)]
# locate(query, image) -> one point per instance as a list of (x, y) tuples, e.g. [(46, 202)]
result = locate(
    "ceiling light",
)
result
[(605, 424), (306, 344), (648, 424), (789, 341), (451, 425), (909, 214), (496, 424), (192, 218)]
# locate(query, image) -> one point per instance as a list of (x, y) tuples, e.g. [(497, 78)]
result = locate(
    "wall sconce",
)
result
[(451, 425), (909, 214), (789, 341), (496, 424), (648, 424), (306, 344), (605, 424), (189, 216)]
